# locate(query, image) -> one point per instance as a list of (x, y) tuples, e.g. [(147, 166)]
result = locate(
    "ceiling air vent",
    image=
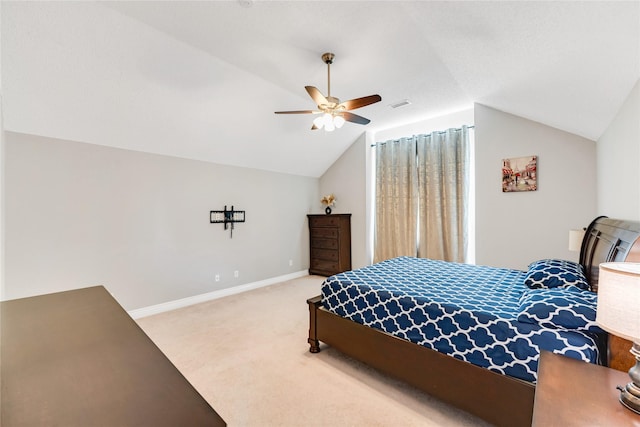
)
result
[(400, 103)]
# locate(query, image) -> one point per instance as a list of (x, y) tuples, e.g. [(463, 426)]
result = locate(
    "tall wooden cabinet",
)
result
[(330, 244)]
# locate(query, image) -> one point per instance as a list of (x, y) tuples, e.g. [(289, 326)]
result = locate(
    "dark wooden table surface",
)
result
[(76, 358), (570, 392)]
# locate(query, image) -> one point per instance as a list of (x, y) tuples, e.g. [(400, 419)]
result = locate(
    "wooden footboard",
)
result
[(498, 399)]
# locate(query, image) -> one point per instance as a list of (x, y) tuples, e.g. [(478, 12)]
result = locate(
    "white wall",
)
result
[(513, 229), (79, 215), (346, 179), (619, 162)]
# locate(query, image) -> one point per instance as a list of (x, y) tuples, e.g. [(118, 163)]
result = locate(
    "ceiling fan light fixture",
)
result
[(327, 121), (319, 122)]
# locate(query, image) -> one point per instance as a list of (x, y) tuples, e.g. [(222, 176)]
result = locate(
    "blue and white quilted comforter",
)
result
[(469, 312)]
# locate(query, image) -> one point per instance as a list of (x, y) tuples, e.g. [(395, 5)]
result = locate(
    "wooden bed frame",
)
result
[(496, 398)]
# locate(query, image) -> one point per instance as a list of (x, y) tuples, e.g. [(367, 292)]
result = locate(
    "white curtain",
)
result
[(422, 196)]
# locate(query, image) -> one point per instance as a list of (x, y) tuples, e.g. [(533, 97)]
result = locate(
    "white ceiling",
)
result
[(201, 80)]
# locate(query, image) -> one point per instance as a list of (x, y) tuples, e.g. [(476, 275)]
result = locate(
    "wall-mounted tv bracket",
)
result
[(226, 217)]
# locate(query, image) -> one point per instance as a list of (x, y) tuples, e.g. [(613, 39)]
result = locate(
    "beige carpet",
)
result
[(247, 355)]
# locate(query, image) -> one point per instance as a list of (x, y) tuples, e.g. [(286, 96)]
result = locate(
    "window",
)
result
[(423, 196)]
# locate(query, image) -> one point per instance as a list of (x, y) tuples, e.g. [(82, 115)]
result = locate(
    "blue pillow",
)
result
[(560, 309), (554, 273)]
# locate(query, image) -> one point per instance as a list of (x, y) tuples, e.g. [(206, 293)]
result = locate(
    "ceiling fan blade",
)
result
[(352, 104), (354, 118), (314, 127), (316, 95), (298, 112)]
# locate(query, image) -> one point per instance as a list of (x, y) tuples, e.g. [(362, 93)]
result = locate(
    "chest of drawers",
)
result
[(329, 244)]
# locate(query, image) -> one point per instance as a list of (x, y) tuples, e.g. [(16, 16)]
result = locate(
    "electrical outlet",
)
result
[(217, 277), (236, 274), (290, 263)]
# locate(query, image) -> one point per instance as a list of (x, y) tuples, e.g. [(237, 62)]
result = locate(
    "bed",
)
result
[(492, 380)]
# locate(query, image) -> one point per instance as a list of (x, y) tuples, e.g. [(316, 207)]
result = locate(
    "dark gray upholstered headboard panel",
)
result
[(608, 240)]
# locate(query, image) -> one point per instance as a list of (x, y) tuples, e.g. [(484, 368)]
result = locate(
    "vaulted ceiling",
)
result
[(202, 79)]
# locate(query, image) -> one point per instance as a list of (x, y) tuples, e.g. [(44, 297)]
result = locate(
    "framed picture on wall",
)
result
[(520, 174)]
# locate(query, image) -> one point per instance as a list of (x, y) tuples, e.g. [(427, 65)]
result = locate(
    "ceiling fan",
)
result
[(333, 112)]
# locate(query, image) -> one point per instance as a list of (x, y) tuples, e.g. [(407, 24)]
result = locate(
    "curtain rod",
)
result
[(438, 132)]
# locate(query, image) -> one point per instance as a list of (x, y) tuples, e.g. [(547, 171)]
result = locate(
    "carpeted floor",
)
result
[(247, 355)]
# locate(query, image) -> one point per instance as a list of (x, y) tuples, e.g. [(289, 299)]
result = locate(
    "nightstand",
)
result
[(575, 393)]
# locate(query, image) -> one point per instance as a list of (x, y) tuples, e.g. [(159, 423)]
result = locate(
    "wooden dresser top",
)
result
[(76, 358)]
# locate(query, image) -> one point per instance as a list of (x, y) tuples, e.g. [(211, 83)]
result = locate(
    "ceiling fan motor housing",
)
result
[(328, 58), (333, 102)]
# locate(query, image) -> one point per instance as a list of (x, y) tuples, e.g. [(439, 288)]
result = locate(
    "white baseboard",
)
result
[(196, 299)]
